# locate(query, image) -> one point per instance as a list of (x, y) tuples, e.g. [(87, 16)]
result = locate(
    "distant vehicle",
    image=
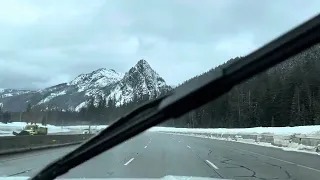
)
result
[(32, 129), (86, 131), (90, 131)]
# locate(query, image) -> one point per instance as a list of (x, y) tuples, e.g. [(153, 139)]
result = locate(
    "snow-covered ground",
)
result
[(302, 130), (311, 131), (80, 128), (6, 129)]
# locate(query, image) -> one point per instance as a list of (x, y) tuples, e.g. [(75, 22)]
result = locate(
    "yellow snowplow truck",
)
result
[(32, 129)]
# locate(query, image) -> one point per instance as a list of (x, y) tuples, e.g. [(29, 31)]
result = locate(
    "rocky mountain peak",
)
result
[(143, 64), (139, 80)]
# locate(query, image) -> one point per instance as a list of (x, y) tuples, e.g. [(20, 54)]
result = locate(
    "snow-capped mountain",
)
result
[(138, 81)]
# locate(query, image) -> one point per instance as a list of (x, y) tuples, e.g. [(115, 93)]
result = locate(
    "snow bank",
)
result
[(290, 147), (82, 127), (6, 129), (286, 131), (311, 131)]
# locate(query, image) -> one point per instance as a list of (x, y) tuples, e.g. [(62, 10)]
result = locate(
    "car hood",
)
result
[(163, 178)]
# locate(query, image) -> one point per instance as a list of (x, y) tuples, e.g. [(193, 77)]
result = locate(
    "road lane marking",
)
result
[(310, 168), (211, 164), (189, 147), (129, 161), (145, 146), (267, 156), (21, 172)]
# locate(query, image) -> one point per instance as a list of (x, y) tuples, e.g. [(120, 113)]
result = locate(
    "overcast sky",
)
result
[(43, 43)]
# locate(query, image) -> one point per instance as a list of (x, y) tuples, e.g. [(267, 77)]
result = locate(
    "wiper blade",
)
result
[(82, 153), (188, 98)]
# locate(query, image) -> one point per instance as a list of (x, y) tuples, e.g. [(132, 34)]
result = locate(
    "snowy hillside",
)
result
[(138, 81), (12, 92), (99, 78)]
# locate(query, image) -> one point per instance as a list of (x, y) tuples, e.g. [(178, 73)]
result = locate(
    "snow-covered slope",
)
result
[(138, 81), (99, 78), (12, 92)]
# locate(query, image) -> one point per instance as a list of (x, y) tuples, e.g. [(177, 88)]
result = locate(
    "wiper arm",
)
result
[(187, 98)]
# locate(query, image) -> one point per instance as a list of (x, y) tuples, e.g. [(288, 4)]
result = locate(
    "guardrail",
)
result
[(276, 140), (15, 144)]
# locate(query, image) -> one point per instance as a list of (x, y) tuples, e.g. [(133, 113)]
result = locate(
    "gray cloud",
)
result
[(44, 43)]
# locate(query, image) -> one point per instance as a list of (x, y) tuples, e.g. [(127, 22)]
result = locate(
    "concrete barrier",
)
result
[(15, 144), (266, 138), (276, 140), (308, 141)]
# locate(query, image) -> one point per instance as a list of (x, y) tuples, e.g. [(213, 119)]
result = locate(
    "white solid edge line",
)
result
[(129, 161), (310, 168), (211, 164), (145, 146)]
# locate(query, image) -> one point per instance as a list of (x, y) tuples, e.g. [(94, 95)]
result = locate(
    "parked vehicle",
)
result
[(32, 129)]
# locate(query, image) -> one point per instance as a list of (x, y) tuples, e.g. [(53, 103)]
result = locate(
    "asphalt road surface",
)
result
[(154, 155)]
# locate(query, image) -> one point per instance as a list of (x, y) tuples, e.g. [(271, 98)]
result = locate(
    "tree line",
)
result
[(98, 111), (285, 95)]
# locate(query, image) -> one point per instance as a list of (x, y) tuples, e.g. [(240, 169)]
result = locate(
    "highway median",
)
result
[(17, 144)]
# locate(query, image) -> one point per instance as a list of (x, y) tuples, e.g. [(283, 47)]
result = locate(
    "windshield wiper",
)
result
[(188, 97)]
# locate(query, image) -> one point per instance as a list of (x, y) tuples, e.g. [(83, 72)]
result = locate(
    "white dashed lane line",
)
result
[(211, 164), (145, 146), (129, 161), (189, 147)]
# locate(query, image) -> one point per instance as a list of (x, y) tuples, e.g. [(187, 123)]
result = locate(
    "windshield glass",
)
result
[(74, 67)]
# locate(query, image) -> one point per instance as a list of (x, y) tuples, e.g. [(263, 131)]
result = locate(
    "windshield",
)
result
[(74, 67)]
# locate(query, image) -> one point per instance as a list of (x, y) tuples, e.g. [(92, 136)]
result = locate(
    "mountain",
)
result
[(140, 80)]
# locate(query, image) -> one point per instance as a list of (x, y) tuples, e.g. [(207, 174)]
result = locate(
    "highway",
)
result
[(154, 155)]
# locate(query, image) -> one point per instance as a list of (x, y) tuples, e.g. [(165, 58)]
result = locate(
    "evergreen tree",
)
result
[(44, 121)]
